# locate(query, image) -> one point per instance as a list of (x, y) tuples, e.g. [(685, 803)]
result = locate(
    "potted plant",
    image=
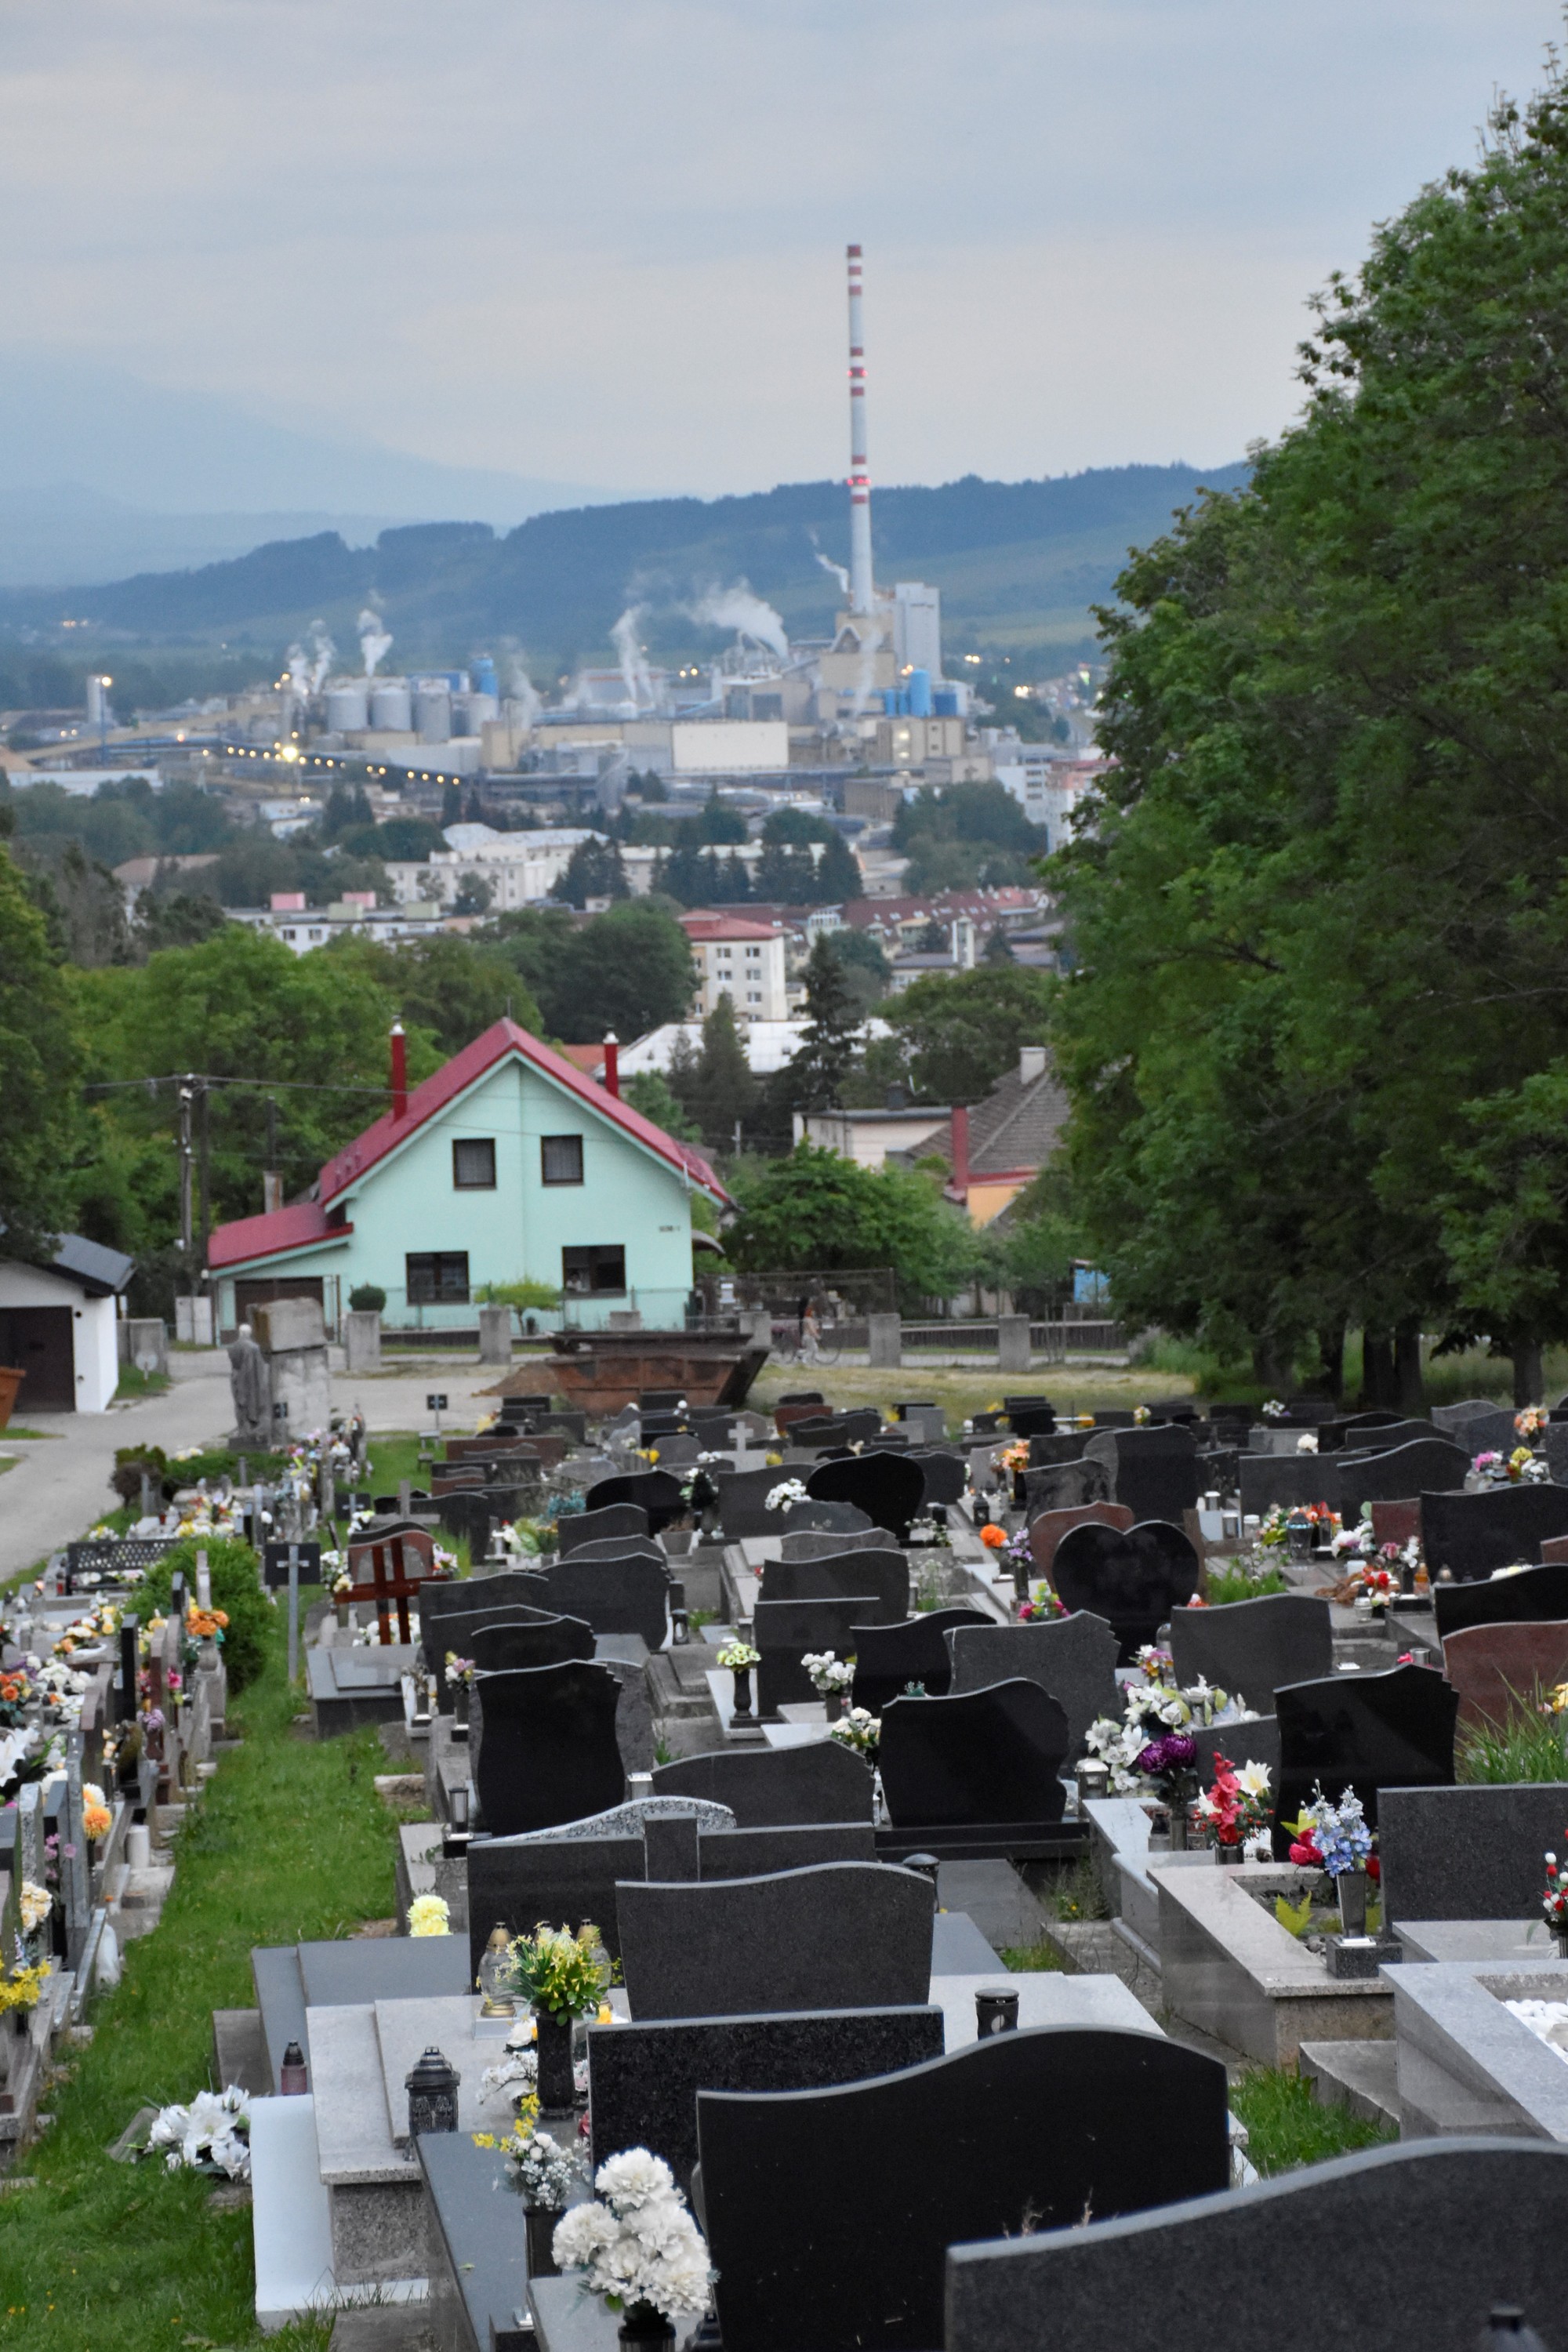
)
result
[(563, 1976), (638, 2248), (545, 2174), (1234, 1807), (831, 1678), (1338, 1841), (1554, 1903), (738, 1658)]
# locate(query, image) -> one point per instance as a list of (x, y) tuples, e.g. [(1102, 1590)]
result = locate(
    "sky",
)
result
[(604, 242)]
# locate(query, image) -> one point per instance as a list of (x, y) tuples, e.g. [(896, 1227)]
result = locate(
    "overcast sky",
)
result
[(602, 241)]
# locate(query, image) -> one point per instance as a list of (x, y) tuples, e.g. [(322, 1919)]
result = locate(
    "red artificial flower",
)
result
[(1304, 1852), (1374, 1868)]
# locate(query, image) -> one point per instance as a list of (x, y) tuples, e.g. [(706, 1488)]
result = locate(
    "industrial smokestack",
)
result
[(860, 586)]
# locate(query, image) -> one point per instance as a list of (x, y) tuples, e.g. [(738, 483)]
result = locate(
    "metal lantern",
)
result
[(995, 2010), (432, 2090)]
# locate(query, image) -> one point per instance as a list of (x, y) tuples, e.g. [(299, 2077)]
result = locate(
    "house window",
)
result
[(436, 1277), (595, 1272), (561, 1158), (474, 1164)]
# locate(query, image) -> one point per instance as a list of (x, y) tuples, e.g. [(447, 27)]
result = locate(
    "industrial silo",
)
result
[(347, 706), (432, 713), (391, 705)]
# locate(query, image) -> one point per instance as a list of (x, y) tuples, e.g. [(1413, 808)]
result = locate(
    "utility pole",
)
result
[(187, 1091), (271, 1176), (205, 1139)]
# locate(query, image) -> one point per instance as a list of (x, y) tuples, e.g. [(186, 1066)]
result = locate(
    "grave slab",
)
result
[(1232, 1970), (1467, 2063)]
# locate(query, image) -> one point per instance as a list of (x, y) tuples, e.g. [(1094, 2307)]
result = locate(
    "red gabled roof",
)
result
[(724, 926), (503, 1037), (269, 1236), (308, 1221)]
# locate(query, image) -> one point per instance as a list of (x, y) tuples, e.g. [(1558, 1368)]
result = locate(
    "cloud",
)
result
[(606, 244)]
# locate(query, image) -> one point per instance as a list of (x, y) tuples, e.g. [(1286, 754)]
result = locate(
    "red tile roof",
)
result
[(306, 1221), (269, 1236), (724, 926)]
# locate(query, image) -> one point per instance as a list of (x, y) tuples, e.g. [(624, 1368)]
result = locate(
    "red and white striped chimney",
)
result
[(612, 1064), (861, 595), (399, 1071)]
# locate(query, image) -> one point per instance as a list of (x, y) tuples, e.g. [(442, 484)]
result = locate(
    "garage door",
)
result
[(264, 1290), (37, 1341)]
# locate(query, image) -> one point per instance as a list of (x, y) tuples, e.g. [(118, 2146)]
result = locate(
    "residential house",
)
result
[(510, 1163), (741, 960), (57, 1318), (997, 1146)]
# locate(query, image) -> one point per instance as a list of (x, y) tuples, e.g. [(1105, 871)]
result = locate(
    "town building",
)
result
[(997, 1146), (509, 1165), (741, 960)]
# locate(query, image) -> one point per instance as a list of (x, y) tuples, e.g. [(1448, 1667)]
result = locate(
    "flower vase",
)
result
[(1177, 1811), (648, 2328), (1231, 1856), (540, 2221), (557, 2083), (833, 1701), (741, 1703), (342, 1614), (1351, 1888), (461, 1707), (1559, 1938)]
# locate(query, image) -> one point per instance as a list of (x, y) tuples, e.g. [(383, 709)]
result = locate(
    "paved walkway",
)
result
[(60, 1486)]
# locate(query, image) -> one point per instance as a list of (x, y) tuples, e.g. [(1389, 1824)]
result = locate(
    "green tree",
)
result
[(817, 1070), (716, 1088), (40, 1062), (594, 870), (963, 1030), (629, 971), (452, 987), (650, 1092), (813, 1210)]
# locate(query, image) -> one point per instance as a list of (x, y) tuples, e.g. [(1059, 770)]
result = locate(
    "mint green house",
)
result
[(509, 1165)]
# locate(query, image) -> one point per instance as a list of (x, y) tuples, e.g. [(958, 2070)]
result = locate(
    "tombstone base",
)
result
[(986, 1842)]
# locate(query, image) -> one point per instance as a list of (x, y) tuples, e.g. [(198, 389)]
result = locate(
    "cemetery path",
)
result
[(60, 1484)]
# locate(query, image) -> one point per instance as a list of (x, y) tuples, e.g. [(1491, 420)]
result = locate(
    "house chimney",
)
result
[(1031, 1063), (399, 1071), (961, 1147), (612, 1064)]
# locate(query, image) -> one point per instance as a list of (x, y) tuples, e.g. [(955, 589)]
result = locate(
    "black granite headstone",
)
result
[(977, 1759), (619, 1547), (1250, 1648), (785, 1632), (826, 2211), (1360, 1429), (1152, 1470), (1536, 1595), (643, 2079), (887, 1486), (743, 1502), (578, 1527), (823, 1519), (1074, 1658), (838, 1575), (1472, 1534), (1493, 2216), (1050, 1449), (1422, 1465), (774, 1787), (656, 1492), (839, 1935), (888, 1658), (1132, 1577), (515, 1591), (945, 1474), (616, 1596), (1362, 1732), (497, 1645), (1065, 1486), (544, 1746)]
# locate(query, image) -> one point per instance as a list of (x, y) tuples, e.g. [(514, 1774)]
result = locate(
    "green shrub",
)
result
[(129, 1462), (366, 1299), (1235, 1584), (1529, 1747), (236, 1589)]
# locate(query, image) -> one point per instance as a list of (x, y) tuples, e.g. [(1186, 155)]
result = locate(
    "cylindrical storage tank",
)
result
[(945, 702), (919, 694), (433, 714), (347, 706), (391, 705), (470, 712), (484, 676)]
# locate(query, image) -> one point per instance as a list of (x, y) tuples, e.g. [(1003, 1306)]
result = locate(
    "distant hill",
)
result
[(1019, 564)]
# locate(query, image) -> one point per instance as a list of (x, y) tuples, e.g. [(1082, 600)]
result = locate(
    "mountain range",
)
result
[(1019, 564)]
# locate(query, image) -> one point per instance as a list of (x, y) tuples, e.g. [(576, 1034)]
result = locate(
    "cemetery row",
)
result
[(746, 1745)]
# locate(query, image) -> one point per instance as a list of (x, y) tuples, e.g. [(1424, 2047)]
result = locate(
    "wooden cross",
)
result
[(390, 1569)]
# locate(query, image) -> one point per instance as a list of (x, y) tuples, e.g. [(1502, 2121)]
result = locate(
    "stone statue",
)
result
[(250, 1385)]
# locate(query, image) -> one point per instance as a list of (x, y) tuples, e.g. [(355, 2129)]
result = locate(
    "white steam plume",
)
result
[(633, 660), (373, 640), (321, 652), (737, 608), (298, 672), (521, 688), (837, 570)]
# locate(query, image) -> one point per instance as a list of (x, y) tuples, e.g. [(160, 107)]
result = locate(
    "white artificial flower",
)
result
[(628, 2180), (1253, 1779), (584, 2234)]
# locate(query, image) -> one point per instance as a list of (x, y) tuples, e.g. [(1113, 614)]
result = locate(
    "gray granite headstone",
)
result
[(1074, 1658), (1154, 1471), (525, 1589), (1473, 1853), (1249, 1647), (829, 1543), (1471, 1535), (759, 1854), (840, 1519), (774, 1787), (578, 1527), (643, 2078), (75, 1866), (1280, 1481), (1065, 1486), (1425, 1465), (1493, 2217), (743, 1503), (1479, 1426), (844, 1935), (785, 1632), (29, 1843)]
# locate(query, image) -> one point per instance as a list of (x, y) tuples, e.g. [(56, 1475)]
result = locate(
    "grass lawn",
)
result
[(135, 1383), (290, 1840), (1073, 1388), (1287, 2126), (33, 1436)]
